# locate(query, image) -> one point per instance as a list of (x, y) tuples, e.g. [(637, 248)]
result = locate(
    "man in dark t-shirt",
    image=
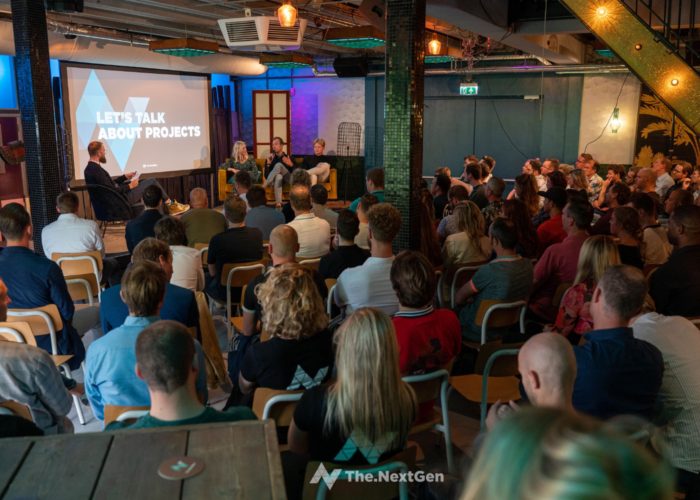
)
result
[(347, 254), (236, 245), (439, 188)]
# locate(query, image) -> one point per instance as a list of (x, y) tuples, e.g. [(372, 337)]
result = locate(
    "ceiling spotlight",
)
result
[(674, 82), (638, 46), (601, 12)]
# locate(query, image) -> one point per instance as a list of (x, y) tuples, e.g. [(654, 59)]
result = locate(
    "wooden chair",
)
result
[(237, 321), (203, 251), (427, 388), (310, 264), (238, 275), (498, 314), (352, 490), (114, 413), (560, 293), (266, 251), (456, 276), (651, 271), (495, 377), (79, 269), (277, 405), (24, 325), (16, 409), (330, 301)]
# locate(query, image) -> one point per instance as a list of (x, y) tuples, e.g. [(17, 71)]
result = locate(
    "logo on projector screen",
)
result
[(121, 129)]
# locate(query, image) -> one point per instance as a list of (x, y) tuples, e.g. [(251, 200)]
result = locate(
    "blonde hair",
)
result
[(469, 220), (369, 396), (321, 142), (239, 154), (597, 254), (552, 454), (579, 178), (291, 304)]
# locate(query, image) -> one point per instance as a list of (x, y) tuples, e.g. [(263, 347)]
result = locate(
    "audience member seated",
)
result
[(644, 183), (578, 181), (453, 180), (347, 253), (553, 454), (507, 277), (473, 178), (428, 339), (369, 284), (471, 242), (260, 215), (662, 167), (556, 179), (487, 165), (299, 354), (617, 374), (201, 222), (366, 202), (631, 178), (187, 262), (143, 227), (590, 167), (493, 191), (448, 224), (314, 233), (284, 245), (675, 286), (180, 303), (678, 198), (34, 281), (679, 342), (319, 198), (526, 190), (598, 253), (617, 195), (534, 168), (71, 234), (625, 225), (615, 174), (299, 177), (364, 417), (168, 362), (234, 246), (375, 185), (528, 241), (439, 188), (317, 165), (29, 376), (559, 262), (657, 248), (429, 242), (241, 161), (110, 378), (552, 231), (680, 173), (242, 182), (278, 168), (547, 367)]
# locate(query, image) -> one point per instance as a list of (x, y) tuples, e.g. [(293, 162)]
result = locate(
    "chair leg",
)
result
[(448, 449), (76, 400)]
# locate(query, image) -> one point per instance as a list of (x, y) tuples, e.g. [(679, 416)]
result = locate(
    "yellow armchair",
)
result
[(226, 189)]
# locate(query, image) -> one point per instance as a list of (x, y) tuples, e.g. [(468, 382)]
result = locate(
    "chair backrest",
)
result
[(310, 264), (132, 415), (465, 272), (85, 266), (18, 331), (16, 409), (108, 204), (352, 490), (44, 320), (652, 271), (508, 312), (266, 250), (242, 273), (331, 299), (428, 385), (559, 294), (113, 412), (488, 370), (503, 366), (277, 405), (330, 283), (203, 251)]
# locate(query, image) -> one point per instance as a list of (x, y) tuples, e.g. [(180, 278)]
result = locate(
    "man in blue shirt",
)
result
[(33, 281), (617, 374), (110, 377), (180, 304), (375, 185)]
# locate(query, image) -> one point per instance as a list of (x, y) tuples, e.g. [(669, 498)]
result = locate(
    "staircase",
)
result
[(655, 39)]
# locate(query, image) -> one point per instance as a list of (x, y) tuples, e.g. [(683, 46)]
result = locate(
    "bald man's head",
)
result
[(198, 198), (548, 368), (284, 242)]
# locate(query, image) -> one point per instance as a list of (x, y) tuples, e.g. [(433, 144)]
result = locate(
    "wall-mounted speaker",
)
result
[(351, 67), (373, 11)]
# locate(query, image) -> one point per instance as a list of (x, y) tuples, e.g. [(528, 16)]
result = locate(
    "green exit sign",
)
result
[(468, 89)]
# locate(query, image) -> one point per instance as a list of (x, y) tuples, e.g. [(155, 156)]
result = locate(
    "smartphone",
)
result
[(136, 174)]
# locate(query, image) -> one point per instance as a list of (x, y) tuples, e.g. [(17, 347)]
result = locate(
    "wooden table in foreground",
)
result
[(241, 461)]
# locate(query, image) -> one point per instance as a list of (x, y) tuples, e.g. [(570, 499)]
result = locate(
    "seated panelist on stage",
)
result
[(278, 168), (317, 164)]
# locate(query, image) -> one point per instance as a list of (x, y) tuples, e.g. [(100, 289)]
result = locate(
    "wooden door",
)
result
[(271, 118)]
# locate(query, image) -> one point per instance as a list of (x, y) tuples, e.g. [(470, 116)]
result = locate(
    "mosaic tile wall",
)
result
[(36, 104), (403, 145)]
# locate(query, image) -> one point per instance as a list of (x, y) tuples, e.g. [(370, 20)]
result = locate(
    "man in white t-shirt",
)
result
[(187, 262), (71, 234), (657, 247), (370, 285), (314, 233)]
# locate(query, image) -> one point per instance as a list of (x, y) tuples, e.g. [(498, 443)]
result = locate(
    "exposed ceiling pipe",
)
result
[(589, 68)]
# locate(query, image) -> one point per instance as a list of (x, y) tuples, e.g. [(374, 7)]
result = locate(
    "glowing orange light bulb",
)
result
[(674, 82), (602, 12), (434, 45), (287, 15)]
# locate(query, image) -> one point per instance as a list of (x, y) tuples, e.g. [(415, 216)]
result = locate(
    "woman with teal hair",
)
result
[(241, 161), (550, 454)]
